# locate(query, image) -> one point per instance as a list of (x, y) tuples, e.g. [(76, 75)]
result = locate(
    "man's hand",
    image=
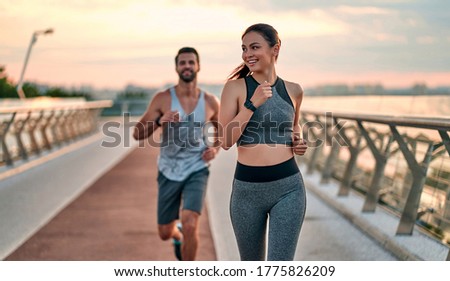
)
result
[(209, 154), (169, 116), (299, 145)]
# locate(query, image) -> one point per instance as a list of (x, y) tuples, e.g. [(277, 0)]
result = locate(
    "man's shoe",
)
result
[(177, 248), (177, 244)]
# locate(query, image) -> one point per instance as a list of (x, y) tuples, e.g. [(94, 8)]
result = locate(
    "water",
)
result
[(426, 106)]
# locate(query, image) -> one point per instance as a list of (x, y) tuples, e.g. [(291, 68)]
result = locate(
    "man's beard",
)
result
[(188, 78)]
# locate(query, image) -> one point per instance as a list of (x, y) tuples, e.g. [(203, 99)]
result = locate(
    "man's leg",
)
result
[(193, 197), (168, 231), (189, 221), (169, 199), (171, 231)]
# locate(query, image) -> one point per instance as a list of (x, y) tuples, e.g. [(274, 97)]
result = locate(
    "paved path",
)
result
[(325, 235), (114, 219)]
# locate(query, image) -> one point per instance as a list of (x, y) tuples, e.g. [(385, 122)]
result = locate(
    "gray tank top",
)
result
[(182, 143), (272, 122)]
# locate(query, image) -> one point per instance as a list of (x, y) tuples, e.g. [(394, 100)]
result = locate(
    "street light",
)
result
[(33, 40)]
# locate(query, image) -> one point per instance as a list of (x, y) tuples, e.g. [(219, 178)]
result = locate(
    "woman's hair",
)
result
[(268, 33)]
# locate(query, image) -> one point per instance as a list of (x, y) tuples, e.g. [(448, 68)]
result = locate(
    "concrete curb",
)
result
[(383, 239), (380, 226)]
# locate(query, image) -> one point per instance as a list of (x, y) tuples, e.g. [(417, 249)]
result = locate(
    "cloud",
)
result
[(342, 36), (362, 11)]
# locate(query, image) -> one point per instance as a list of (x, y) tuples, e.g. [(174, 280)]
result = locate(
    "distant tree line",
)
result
[(133, 92), (31, 90), (136, 94)]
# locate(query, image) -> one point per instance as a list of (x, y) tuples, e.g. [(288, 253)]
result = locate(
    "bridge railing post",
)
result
[(389, 148), (354, 150), (5, 126), (57, 124), (381, 155)]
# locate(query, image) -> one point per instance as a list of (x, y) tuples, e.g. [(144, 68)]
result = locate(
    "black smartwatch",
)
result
[(248, 104)]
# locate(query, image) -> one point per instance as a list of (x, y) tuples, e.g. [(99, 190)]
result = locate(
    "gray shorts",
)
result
[(170, 194)]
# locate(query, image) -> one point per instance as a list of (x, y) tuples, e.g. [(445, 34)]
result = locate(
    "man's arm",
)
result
[(147, 124)]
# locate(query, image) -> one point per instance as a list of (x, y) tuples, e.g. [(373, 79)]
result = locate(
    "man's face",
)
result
[(187, 67)]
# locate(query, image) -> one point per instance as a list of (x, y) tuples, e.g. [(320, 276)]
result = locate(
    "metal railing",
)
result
[(400, 162), (32, 128)]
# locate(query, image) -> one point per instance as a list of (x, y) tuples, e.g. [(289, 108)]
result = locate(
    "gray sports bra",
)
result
[(272, 122)]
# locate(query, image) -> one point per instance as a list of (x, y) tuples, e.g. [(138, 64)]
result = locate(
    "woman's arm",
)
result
[(233, 116), (299, 144)]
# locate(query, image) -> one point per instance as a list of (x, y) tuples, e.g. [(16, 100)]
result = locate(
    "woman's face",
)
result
[(256, 52)]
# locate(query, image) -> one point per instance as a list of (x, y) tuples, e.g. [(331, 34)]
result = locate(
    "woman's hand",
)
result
[(299, 145), (262, 93)]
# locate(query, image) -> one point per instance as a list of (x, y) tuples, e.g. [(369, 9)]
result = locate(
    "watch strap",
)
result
[(248, 104)]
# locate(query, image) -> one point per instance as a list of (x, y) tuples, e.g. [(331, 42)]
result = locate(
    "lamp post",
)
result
[(33, 40)]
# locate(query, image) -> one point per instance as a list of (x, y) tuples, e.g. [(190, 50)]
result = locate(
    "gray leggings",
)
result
[(282, 202)]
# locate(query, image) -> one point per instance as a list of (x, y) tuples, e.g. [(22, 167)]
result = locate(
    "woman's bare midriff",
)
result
[(264, 154)]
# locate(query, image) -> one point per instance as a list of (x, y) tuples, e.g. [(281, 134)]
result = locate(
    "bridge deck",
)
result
[(114, 217)]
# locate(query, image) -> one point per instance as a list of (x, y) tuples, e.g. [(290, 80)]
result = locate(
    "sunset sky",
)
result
[(109, 44)]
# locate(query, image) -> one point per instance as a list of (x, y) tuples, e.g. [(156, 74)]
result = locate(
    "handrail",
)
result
[(438, 123), (45, 124), (428, 150), (56, 106)]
